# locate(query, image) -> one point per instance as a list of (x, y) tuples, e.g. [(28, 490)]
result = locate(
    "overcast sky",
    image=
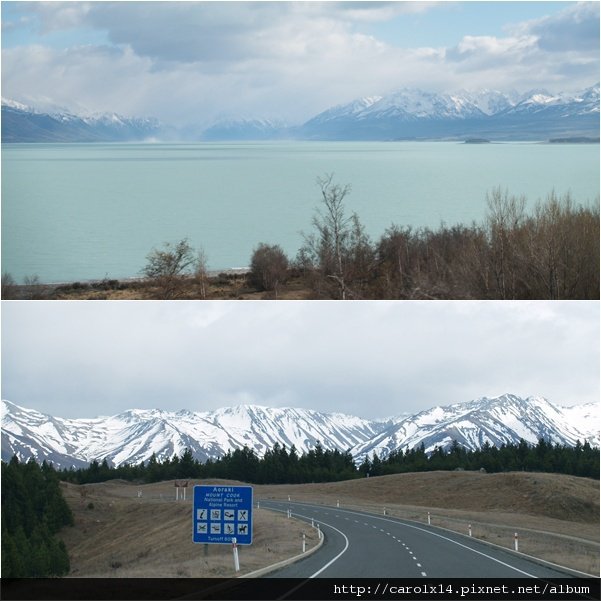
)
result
[(372, 359), (189, 62)]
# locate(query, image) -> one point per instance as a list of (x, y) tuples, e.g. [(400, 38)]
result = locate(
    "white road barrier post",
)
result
[(384, 510), (515, 539), (288, 497), (312, 523), (338, 503), (319, 534), (304, 542), (469, 529), (428, 518), (236, 560)]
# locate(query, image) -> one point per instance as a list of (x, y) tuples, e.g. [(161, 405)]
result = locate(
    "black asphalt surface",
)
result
[(362, 545)]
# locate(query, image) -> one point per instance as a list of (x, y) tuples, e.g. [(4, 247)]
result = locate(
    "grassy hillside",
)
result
[(118, 534)]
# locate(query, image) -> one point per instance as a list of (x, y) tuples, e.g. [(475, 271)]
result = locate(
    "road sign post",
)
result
[(221, 514)]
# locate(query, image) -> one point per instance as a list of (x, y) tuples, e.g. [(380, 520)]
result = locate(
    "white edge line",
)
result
[(337, 556), (433, 534), (330, 526)]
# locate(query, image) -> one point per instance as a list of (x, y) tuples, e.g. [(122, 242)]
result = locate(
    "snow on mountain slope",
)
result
[(21, 123), (134, 435), (504, 419), (585, 419), (409, 113)]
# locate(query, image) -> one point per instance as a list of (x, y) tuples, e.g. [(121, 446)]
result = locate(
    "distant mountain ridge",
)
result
[(403, 114), (409, 113), (134, 435), (21, 123)]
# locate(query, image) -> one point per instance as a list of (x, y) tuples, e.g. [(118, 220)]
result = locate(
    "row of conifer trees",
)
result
[(33, 511), (281, 465)]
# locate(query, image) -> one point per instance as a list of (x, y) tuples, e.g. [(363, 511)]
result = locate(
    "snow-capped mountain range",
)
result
[(409, 113), (23, 123), (133, 436), (402, 114)]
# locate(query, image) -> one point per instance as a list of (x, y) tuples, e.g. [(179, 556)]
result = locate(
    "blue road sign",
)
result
[(221, 513)]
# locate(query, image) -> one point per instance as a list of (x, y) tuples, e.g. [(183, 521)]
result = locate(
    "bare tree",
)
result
[(330, 246), (268, 267), (168, 268), (9, 286), (32, 289), (201, 273), (505, 218)]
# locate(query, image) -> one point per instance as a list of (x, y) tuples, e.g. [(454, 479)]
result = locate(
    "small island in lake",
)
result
[(477, 141), (575, 140)]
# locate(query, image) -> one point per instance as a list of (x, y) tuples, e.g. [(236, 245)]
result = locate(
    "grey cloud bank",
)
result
[(368, 359)]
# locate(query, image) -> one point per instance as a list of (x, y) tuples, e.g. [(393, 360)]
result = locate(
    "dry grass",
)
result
[(557, 518), (219, 287), (119, 535)]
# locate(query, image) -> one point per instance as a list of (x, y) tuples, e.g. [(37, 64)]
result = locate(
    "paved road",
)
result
[(360, 545)]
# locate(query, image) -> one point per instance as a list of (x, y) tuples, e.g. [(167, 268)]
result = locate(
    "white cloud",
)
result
[(193, 62), (368, 359)]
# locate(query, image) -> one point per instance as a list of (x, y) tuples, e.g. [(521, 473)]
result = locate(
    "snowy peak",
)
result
[(21, 123), (496, 421), (410, 113), (135, 435)]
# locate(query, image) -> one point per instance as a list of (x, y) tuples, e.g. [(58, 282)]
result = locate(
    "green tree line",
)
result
[(281, 465), (33, 511)]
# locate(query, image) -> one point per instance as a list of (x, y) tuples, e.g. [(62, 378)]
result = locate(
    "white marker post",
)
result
[(236, 560), (384, 510), (515, 539), (318, 532), (469, 529), (428, 518), (304, 543), (338, 503)]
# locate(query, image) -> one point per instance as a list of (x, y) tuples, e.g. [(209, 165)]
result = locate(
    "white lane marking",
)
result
[(424, 574), (419, 565), (337, 556), (346, 545), (450, 540)]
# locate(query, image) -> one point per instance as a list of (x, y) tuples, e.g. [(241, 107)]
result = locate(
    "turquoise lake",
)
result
[(89, 211)]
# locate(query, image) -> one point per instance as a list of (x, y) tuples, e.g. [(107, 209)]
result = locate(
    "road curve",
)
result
[(362, 545)]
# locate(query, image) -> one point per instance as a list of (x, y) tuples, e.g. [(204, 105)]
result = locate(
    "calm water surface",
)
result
[(86, 211)]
